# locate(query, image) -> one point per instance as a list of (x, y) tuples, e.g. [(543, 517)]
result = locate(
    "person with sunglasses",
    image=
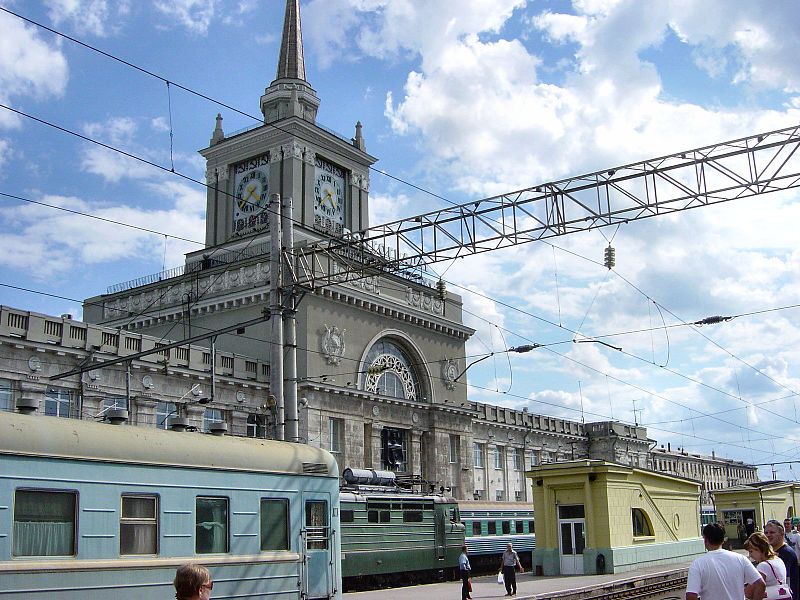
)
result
[(193, 582)]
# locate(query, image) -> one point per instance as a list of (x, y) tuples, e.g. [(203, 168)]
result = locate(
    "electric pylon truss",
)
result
[(759, 164)]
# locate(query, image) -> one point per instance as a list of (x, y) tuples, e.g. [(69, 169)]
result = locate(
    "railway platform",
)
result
[(651, 582)]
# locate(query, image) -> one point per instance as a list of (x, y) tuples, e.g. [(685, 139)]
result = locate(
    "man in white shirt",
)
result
[(720, 574)]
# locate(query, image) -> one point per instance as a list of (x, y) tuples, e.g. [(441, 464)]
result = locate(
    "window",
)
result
[(211, 525), (518, 527), (641, 524), (499, 495), (390, 372), (531, 527), (317, 524), (335, 427), (534, 458), (412, 515), (5, 395), (476, 528), (518, 466), (138, 525), (347, 516), (477, 495), (491, 528), (212, 416), (518, 496), (274, 524), (112, 402), (57, 402), (498, 457), (164, 410), (379, 512), (44, 523), (477, 455), (454, 449), (256, 426), (393, 449)]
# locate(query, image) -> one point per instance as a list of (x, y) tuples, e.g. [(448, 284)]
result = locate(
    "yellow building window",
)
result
[(641, 523)]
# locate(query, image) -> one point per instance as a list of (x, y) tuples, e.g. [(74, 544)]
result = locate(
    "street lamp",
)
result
[(517, 349)]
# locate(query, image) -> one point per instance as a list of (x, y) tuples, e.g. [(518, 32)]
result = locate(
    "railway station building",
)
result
[(377, 360)]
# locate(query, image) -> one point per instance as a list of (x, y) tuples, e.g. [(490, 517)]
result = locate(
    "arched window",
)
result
[(390, 372), (641, 523)]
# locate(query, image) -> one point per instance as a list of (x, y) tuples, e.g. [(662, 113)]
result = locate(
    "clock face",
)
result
[(329, 197), (251, 195)]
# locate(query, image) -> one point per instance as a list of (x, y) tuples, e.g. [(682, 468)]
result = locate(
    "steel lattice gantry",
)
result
[(750, 166)]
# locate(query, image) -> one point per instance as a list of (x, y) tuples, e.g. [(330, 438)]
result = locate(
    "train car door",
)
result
[(440, 530), (318, 547)]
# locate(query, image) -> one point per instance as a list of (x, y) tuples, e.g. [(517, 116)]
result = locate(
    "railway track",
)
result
[(657, 586)]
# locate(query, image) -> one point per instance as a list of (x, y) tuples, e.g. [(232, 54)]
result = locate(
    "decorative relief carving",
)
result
[(216, 173), (449, 373), (243, 277), (360, 180), (424, 301), (368, 284), (333, 344), (293, 150)]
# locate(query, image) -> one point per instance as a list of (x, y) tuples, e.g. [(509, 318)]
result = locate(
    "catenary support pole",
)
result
[(276, 317), (289, 331)]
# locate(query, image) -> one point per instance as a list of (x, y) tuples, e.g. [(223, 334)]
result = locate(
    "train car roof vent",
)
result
[(320, 468), (369, 477)]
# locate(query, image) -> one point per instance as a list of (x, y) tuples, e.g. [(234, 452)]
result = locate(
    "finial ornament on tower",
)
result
[(218, 134), (278, 101)]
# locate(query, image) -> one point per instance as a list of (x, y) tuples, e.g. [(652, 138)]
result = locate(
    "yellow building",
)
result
[(759, 501), (599, 517)]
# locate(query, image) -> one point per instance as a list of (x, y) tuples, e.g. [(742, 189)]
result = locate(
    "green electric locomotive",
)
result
[(392, 536)]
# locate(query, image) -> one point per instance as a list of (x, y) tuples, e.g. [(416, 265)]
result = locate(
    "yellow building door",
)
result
[(571, 538)]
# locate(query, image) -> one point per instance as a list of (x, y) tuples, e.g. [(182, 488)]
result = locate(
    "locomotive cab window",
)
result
[(44, 523), (138, 525), (274, 524), (211, 525)]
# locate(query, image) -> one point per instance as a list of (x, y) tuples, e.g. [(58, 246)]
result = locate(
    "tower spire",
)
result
[(291, 64), (290, 95)]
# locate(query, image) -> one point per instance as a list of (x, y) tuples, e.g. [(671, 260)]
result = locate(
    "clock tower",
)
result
[(326, 175)]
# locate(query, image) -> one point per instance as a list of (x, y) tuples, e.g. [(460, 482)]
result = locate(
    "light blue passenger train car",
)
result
[(490, 526), (96, 511)]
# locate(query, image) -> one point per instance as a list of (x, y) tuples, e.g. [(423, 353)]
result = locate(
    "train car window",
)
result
[(44, 523), (506, 527), (412, 516), (274, 524), (138, 525), (317, 524), (211, 525), (491, 527), (347, 516), (379, 516), (531, 527), (476, 528), (518, 528)]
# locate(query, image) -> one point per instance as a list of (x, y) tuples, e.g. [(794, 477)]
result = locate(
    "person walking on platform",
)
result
[(509, 565), (770, 566), (466, 570), (721, 574), (775, 534)]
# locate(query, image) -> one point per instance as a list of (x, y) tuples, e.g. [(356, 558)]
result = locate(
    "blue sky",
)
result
[(466, 99)]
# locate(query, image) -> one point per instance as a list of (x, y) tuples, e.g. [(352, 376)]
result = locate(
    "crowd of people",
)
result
[(772, 571)]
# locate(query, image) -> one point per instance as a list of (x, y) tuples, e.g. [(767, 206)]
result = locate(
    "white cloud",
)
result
[(29, 66), (194, 15), (88, 16), (47, 243)]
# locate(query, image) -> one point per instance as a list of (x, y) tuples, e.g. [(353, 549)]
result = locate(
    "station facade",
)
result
[(378, 359)]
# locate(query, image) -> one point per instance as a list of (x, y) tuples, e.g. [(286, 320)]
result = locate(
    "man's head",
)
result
[(774, 531), (787, 525), (713, 535)]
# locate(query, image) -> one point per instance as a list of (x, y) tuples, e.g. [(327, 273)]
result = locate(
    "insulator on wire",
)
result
[(441, 289), (610, 257)]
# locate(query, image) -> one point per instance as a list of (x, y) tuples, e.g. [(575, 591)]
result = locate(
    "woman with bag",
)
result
[(770, 566), (466, 571)]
